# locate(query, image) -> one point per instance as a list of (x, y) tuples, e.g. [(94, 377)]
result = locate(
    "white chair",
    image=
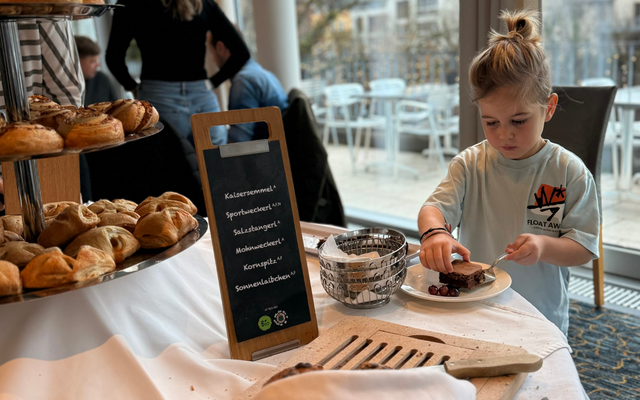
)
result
[(340, 99), (314, 89), (614, 127)]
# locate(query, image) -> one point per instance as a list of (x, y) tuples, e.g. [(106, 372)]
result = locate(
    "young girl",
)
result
[(515, 189)]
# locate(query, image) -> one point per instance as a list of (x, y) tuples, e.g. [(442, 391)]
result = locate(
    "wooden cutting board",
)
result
[(355, 340)]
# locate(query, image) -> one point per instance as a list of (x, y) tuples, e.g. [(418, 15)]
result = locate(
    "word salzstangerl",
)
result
[(254, 228)]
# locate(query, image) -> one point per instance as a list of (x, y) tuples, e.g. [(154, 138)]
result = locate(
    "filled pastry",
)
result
[(12, 223), (9, 279), (166, 200), (3, 120), (125, 205), (103, 207), (20, 253), (49, 269), (71, 222), (123, 219), (163, 228), (91, 262), (53, 209), (90, 128), (29, 138), (117, 242)]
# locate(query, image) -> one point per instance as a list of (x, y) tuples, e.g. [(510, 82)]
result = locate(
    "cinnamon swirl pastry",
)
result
[(117, 242), (53, 117), (29, 138), (38, 104), (164, 228), (89, 128), (100, 107), (136, 115)]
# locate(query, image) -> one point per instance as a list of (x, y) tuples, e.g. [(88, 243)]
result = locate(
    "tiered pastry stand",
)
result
[(26, 169)]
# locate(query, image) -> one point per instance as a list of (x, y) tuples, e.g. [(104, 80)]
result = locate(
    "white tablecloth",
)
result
[(160, 334)]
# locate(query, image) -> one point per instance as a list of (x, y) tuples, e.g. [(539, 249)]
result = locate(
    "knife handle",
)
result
[(493, 366)]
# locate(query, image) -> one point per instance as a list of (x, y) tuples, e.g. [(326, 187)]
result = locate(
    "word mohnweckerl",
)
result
[(253, 228), (263, 264), (263, 282), (259, 246), (235, 195), (242, 211)]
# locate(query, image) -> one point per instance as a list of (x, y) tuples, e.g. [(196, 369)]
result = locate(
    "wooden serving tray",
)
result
[(355, 340)]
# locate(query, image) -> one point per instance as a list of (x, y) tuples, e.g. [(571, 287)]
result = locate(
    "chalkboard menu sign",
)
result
[(256, 237), (258, 241)]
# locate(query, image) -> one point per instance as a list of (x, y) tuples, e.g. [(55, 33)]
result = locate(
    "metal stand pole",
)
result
[(17, 103)]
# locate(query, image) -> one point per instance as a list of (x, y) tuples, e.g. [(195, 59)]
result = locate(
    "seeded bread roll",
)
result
[(29, 138)]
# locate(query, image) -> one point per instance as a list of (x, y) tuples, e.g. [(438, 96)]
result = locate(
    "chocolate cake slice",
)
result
[(465, 275)]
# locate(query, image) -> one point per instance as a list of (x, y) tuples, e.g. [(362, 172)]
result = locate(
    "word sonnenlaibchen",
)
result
[(263, 282), (235, 195)]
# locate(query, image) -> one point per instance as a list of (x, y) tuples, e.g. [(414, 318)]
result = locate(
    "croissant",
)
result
[(19, 253), (136, 115), (49, 269), (71, 222), (9, 279), (117, 242), (13, 223), (90, 263), (124, 219), (28, 138), (166, 200), (90, 128), (163, 228)]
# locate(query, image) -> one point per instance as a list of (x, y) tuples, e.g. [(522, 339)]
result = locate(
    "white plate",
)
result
[(419, 279)]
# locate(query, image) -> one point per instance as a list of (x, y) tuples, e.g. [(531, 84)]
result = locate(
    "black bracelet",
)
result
[(432, 230)]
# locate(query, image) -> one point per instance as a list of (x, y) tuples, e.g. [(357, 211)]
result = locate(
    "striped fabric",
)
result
[(50, 60)]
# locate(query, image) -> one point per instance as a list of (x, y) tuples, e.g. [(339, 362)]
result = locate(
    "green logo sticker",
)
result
[(264, 323)]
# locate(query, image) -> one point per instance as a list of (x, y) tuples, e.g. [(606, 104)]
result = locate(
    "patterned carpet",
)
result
[(606, 350)]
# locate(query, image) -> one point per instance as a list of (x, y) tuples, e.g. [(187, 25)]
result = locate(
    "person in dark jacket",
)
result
[(98, 87), (171, 36)]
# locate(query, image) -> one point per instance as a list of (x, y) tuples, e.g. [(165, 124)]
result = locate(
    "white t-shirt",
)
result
[(494, 199)]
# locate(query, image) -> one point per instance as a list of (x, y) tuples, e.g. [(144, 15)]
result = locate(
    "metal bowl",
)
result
[(390, 244), (372, 275), (364, 295)]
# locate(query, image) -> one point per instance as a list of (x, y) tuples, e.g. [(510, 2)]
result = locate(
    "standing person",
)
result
[(515, 189), (171, 36), (98, 87), (251, 87)]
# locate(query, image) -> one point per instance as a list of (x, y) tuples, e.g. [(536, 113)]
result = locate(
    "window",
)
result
[(403, 9), (427, 6), (377, 24)]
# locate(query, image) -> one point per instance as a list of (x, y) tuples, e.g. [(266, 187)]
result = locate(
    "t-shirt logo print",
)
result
[(549, 201)]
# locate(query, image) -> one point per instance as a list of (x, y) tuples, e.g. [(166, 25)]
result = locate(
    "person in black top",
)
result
[(98, 87), (171, 36)]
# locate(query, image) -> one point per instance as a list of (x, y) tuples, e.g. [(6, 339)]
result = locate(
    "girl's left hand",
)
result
[(526, 250)]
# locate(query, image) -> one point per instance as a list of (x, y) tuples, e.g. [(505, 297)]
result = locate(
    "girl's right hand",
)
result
[(435, 253)]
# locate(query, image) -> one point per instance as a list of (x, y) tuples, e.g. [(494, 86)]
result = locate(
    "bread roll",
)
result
[(118, 242), (103, 207), (166, 200), (53, 209), (13, 223), (136, 115), (125, 205), (53, 117), (49, 269), (20, 253), (71, 222), (9, 279), (124, 219), (28, 138), (90, 128), (163, 228), (91, 263)]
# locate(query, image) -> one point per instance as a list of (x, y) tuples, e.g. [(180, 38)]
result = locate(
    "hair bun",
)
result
[(525, 23)]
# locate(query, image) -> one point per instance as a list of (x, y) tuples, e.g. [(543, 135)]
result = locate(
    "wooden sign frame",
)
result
[(285, 339)]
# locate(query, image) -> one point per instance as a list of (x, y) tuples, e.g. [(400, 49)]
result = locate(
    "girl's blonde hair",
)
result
[(184, 9), (515, 60)]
